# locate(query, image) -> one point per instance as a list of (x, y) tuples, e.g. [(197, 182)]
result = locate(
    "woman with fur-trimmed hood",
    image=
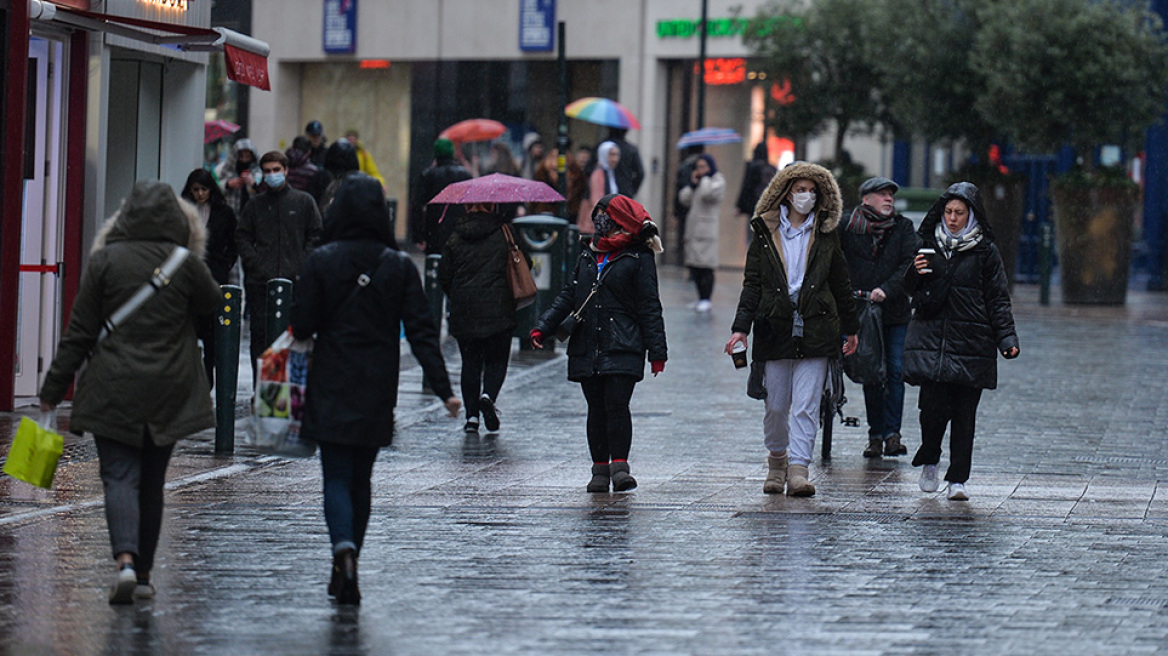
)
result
[(797, 297), (145, 386)]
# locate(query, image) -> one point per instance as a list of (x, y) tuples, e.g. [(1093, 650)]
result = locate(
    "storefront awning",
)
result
[(247, 58)]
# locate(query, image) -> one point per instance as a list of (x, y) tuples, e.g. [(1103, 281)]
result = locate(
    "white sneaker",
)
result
[(957, 492), (122, 591), (702, 307), (928, 480)]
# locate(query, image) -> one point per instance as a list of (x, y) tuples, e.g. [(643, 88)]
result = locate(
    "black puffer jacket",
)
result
[(275, 232), (432, 224), (620, 324), (352, 384), (962, 315), (885, 268), (221, 254), (473, 273)]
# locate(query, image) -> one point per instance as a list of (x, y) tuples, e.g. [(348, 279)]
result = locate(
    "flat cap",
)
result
[(872, 185)]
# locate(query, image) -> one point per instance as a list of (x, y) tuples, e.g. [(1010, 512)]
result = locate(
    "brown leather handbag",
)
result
[(519, 277)]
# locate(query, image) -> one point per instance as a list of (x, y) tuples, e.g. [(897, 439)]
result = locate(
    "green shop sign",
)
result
[(681, 28)]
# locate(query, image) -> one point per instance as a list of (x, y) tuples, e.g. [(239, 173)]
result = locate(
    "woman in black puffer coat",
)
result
[(620, 323), (473, 275), (961, 320)]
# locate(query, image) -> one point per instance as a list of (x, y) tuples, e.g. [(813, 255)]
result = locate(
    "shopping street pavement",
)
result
[(491, 545)]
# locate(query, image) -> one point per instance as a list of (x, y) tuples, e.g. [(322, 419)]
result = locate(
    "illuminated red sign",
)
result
[(723, 70), (375, 64)]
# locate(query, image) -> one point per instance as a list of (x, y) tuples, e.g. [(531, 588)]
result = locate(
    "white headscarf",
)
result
[(602, 161)]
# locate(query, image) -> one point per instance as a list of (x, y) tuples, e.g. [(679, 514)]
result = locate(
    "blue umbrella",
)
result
[(708, 137)]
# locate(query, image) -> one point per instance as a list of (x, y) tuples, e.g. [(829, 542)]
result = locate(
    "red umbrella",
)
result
[(217, 129), (475, 129), (496, 188)]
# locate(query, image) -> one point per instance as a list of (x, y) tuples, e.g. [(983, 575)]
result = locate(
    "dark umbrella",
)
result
[(496, 188)]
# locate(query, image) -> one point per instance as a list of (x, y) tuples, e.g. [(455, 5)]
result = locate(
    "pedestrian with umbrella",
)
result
[(610, 311)]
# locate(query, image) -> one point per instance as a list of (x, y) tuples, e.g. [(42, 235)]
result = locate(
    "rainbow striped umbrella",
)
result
[(708, 137), (603, 111)]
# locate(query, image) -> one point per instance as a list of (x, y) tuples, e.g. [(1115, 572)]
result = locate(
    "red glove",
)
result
[(536, 339), (657, 366)]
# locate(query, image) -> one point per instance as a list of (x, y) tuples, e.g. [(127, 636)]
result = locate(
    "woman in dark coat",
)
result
[(218, 220), (620, 323), (797, 297), (144, 388), (352, 293), (961, 320), (473, 274)]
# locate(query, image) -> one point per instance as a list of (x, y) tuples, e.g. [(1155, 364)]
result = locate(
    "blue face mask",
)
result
[(274, 180)]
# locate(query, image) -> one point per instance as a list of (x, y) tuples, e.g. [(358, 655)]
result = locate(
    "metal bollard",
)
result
[(435, 299), (227, 331), (279, 307), (1045, 262)]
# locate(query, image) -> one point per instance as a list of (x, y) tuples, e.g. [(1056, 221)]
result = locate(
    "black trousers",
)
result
[(944, 404), (704, 280), (257, 320), (484, 368), (610, 423)]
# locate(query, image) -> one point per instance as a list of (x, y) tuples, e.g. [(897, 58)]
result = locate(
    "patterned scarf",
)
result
[(867, 221), (966, 239)]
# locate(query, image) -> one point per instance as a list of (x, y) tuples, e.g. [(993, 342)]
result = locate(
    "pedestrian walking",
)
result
[(315, 133), (218, 223), (430, 225), (703, 196), (303, 174), (473, 275), (755, 179), (961, 320), (339, 161), (533, 153), (797, 297), (630, 171), (685, 169), (602, 182), (351, 295), (365, 161), (276, 231), (879, 245), (240, 175), (144, 386), (613, 295)]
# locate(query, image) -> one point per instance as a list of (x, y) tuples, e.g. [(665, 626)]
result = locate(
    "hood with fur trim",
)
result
[(153, 212), (828, 204)]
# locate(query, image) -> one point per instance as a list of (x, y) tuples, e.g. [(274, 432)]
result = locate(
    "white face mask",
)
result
[(803, 202)]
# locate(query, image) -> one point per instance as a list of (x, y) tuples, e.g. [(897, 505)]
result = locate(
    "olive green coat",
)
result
[(825, 302), (148, 373)]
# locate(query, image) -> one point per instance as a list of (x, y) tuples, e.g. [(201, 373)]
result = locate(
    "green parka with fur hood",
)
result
[(148, 373), (825, 302)]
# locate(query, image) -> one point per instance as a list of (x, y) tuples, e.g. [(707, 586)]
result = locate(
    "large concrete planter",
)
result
[(1093, 228)]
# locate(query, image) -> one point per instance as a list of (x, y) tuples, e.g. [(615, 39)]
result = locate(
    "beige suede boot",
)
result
[(797, 483), (776, 478)]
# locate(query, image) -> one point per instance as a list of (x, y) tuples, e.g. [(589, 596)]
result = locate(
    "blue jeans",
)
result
[(885, 406), (348, 493)]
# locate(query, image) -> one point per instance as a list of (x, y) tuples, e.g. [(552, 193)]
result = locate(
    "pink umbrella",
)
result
[(496, 188), (217, 129)]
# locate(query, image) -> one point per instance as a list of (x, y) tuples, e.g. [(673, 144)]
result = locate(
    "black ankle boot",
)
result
[(345, 577), (599, 482), (621, 479)]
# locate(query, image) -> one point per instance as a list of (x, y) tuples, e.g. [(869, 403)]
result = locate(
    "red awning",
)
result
[(247, 58)]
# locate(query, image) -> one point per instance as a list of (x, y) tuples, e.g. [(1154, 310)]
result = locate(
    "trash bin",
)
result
[(434, 296), (227, 337), (543, 238)]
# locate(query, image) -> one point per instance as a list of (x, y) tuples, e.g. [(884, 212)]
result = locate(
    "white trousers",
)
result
[(794, 388)]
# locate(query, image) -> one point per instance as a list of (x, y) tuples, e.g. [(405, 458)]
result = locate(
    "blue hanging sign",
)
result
[(340, 27), (537, 22)]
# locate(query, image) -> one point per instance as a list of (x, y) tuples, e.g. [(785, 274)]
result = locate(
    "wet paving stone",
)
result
[(490, 544)]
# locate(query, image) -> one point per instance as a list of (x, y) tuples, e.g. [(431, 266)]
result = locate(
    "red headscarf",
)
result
[(633, 219)]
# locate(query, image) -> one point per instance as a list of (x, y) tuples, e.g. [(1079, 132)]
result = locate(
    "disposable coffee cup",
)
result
[(738, 355), (929, 254)]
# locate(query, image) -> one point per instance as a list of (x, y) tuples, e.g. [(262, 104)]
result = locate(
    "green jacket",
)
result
[(148, 373), (825, 302)]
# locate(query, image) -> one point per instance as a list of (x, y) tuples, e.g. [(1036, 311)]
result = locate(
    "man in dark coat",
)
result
[(351, 295), (879, 245), (276, 231), (630, 172), (303, 174), (961, 320), (759, 172), (314, 131), (430, 225)]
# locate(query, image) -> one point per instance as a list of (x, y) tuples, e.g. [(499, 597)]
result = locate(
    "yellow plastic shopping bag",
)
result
[(34, 452)]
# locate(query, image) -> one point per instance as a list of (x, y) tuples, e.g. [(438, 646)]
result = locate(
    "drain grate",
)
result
[(1139, 602), (1122, 460)]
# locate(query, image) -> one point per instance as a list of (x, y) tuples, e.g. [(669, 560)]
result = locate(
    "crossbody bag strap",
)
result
[(363, 281), (159, 280)]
